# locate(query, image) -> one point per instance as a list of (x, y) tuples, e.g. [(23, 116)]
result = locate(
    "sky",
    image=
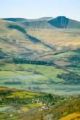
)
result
[(40, 8)]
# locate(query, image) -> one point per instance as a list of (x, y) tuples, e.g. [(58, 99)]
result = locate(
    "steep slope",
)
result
[(14, 40), (64, 22), (33, 41)]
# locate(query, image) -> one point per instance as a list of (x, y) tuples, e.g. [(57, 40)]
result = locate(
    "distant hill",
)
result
[(15, 19), (47, 22), (63, 22), (38, 39)]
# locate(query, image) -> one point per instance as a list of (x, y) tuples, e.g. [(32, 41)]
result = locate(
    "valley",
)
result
[(39, 69)]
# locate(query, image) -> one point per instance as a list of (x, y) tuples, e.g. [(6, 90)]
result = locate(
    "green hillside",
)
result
[(39, 69), (57, 48), (21, 105)]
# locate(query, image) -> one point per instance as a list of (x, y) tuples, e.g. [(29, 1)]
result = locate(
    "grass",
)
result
[(57, 37), (14, 103), (26, 76), (36, 78), (73, 116), (12, 97), (45, 72), (21, 104)]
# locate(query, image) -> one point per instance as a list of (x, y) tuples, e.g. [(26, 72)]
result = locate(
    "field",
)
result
[(36, 78)]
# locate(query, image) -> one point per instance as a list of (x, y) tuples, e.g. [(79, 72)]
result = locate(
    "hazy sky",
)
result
[(40, 8)]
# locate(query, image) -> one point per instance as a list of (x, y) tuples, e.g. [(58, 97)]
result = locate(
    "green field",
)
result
[(36, 78)]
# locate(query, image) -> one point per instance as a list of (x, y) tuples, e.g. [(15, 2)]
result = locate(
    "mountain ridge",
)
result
[(58, 22)]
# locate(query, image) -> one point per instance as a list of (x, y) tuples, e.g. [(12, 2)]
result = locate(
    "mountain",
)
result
[(39, 69), (15, 39), (38, 39), (64, 22), (15, 19), (53, 43), (58, 22)]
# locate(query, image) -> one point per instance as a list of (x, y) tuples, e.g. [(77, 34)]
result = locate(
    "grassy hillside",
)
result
[(39, 69), (14, 41), (47, 54), (19, 105), (34, 41)]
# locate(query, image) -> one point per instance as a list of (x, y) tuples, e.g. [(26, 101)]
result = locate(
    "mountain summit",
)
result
[(64, 22), (60, 22)]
